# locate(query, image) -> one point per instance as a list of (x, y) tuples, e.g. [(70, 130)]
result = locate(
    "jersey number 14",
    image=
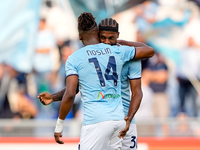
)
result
[(111, 65)]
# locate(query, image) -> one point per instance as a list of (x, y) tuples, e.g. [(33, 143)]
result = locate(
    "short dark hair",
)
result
[(86, 22), (108, 24)]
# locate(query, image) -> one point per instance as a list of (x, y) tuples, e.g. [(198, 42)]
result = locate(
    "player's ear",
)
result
[(80, 37), (117, 34)]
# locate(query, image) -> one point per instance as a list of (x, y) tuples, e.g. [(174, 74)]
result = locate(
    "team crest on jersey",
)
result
[(114, 96)]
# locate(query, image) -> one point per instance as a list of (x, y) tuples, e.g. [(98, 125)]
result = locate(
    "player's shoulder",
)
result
[(77, 53), (124, 46), (73, 57)]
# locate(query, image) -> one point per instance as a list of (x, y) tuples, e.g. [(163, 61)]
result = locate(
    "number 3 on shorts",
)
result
[(134, 140)]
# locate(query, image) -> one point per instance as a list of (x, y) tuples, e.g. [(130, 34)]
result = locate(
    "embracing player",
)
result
[(130, 79), (142, 51)]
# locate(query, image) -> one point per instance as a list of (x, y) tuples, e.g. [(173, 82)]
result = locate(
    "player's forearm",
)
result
[(142, 50), (134, 104), (66, 105), (58, 95), (130, 43)]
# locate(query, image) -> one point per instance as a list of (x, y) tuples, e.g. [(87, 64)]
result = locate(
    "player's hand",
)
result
[(123, 132), (57, 137), (117, 44), (120, 42), (45, 98)]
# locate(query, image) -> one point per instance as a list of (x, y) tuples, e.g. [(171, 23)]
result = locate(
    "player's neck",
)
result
[(91, 41)]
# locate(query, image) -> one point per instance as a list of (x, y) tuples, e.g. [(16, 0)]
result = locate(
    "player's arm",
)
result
[(66, 105), (46, 98), (136, 98), (134, 104), (142, 50)]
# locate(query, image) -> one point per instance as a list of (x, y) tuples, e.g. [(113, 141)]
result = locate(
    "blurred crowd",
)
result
[(170, 79), (172, 76)]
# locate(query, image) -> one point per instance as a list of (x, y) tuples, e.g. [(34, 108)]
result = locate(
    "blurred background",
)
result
[(37, 36)]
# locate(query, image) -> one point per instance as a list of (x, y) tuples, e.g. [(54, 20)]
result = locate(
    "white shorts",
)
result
[(130, 139), (102, 136)]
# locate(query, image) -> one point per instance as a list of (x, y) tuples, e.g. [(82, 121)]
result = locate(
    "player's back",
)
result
[(99, 70)]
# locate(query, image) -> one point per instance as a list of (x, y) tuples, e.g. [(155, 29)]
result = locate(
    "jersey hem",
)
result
[(71, 75), (101, 121), (134, 78)]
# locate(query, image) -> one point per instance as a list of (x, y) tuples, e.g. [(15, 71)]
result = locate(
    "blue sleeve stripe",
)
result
[(126, 106), (126, 103), (71, 75), (134, 78)]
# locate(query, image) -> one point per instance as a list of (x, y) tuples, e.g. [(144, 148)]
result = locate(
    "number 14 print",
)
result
[(111, 65)]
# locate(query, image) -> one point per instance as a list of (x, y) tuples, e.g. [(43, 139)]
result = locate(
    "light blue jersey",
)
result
[(131, 70), (99, 72)]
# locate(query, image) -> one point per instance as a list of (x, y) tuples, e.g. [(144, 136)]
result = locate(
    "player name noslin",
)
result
[(99, 52)]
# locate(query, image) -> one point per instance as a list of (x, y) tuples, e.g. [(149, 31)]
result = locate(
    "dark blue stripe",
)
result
[(134, 78), (126, 105), (135, 53)]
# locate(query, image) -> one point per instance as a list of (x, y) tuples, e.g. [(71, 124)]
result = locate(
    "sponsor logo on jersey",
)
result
[(106, 96)]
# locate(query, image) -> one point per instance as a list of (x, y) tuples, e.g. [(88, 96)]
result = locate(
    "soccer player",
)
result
[(105, 85), (131, 73)]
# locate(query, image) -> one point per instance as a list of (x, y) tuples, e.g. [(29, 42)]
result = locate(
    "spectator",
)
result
[(66, 51), (13, 96), (46, 64), (46, 48), (159, 74), (8, 77), (188, 74)]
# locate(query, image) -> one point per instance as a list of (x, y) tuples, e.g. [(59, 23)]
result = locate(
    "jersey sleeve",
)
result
[(128, 52), (70, 67), (135, 69)]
